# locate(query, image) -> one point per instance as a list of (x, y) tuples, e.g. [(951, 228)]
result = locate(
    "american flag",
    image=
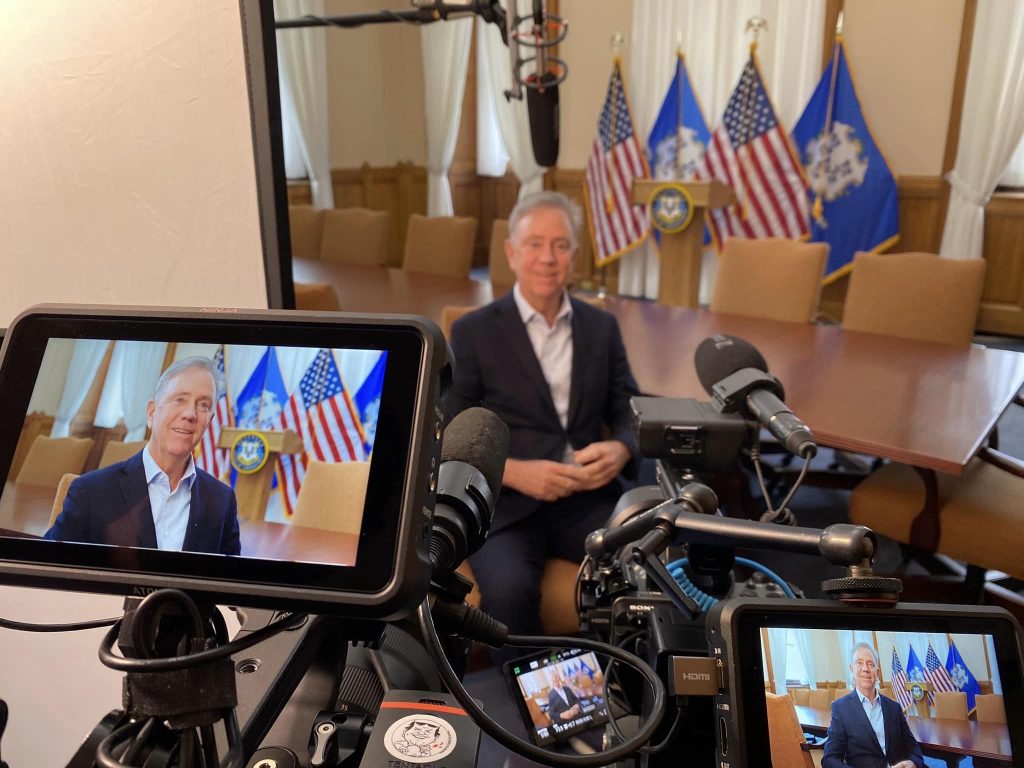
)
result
[(209, 457), (322, 414), (899, 682), (937, 674), (750, 152), (616, 225)]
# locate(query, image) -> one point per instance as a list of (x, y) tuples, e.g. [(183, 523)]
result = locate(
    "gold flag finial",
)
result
[(755, 26), (618, 41), (679, 42), (839, 25)]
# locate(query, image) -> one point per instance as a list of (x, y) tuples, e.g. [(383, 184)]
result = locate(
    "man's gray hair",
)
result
[(857, 647), (538, 200), (186, 363)]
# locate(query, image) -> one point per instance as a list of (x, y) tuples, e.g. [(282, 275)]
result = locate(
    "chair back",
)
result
[(319, 297), (989, 708), (442, 245), (306, 225), (915, 296), (355, 236), (886, 690), (538, 717), (332, 495), (951, 705), (50, 458), (116, 451), (820, 698), (58, 500), (501, 274), (801, 696), (785, 736), (450, 314), (771, 278), (840, 692)]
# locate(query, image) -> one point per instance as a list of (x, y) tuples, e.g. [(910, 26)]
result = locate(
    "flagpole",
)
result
[(679, 103), (617, 41), (818, 210)]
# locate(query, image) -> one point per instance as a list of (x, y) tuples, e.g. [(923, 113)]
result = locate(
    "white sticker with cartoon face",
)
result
[(420, 739)]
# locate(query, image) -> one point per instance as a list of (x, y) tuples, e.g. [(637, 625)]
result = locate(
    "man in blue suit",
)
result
[(158, 498), (869, 730), (555, 370)]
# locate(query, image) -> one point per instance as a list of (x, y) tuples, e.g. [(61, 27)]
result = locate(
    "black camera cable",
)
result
[(520, 746)]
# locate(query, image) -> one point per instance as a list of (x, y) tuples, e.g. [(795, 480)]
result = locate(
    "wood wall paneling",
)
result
[(1002, 299)]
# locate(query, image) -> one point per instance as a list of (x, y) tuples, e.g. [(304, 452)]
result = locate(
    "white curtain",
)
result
[(712, 39), (445, 59), (302, 64), (777, 647), (85, 362), (494, 76), (143, 363), (802, 637), (992, 123)]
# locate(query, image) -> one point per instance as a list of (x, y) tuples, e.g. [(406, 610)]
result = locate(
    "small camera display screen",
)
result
[(911, 697), (220, 449), (560, 693)]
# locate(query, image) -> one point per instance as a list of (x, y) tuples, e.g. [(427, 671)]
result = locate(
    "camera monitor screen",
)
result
[(920, 685), (243, 455), (559, 693)]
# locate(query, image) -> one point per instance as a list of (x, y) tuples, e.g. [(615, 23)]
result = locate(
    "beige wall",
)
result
[(903, 54), (587, 51), (375, 90)]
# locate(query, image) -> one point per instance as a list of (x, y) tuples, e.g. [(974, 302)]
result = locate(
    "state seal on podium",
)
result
[(671, 208), (249, 452)]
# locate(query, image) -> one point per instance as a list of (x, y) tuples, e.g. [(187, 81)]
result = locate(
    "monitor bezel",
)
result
[(391, 569)]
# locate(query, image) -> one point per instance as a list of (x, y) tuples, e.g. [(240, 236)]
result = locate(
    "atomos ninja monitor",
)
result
[(270, 458)]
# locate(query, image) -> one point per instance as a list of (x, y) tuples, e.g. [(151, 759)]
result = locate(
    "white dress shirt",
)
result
[(170, 510), (874, 712), (552, 344)]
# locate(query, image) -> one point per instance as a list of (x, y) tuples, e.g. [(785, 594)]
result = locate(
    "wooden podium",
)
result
[(252, 490), (679, 276)]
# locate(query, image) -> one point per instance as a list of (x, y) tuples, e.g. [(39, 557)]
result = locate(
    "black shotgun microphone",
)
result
[(473, 453), (736, 376), (542, 107)]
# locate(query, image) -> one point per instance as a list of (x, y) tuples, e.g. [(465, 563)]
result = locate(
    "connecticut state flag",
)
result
[(680, 135), (854, 204)]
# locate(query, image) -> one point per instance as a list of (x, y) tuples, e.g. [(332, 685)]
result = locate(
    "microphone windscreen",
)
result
[(542, 109), (476, 436), (720, 356)]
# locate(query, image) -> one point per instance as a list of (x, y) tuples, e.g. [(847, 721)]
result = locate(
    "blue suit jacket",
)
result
[(852, 741), (111, 506), (495, 367)]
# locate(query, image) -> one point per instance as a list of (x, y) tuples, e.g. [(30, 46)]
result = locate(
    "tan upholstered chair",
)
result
[(789, 748), (886, 690), (951, 705), (955, 516), (985, 686), (840, 692), (319, 297), (50, 458), (502, 276), (442, 245), (820, 698), (58, 499), (773, 278), (449, 315), (355, 236), (914, 296), (306, 225), (116, 451), (558, 614), (989, 708), (801, 696), (332, 495)]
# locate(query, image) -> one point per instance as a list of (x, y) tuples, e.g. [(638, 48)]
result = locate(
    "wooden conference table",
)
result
[(25, 513), (946, 739), (929, 405)]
